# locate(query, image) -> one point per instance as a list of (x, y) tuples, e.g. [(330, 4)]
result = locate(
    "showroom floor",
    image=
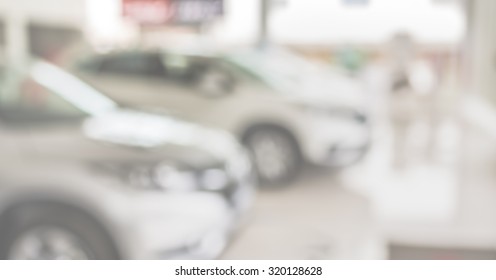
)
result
[(422, 211), (315, 218)]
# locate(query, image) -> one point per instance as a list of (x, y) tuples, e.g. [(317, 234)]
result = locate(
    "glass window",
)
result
[(144, 65), (190, 70), (282, 70), (155, 66), (91, 65), (181, 68)]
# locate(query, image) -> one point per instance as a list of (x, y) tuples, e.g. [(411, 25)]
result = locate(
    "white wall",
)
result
[(483, 49), (105, 23), (300, 21), (331, 22), (68, 12)]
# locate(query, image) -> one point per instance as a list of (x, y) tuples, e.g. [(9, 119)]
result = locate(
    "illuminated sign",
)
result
[(197, 11), (159, 12)]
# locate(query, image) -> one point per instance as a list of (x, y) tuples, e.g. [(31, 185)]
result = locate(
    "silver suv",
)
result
[(82, 178), (284, 108)]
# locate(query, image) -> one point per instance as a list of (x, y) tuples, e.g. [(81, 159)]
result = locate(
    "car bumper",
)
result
[(214, 240), (344, 156), (335, 143), (195, 225)]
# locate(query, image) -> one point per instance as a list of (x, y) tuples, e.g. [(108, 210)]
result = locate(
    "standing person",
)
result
[(425, 82), (403, 108), (402, 101), (411, 80)]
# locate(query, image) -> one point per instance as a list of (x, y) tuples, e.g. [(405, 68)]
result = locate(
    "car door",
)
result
[(123, 76), (133, 79), (208, 90), (13, 144), (195, 87)]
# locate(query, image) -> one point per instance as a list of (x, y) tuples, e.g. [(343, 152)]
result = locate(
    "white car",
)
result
[(285, 109), (82, 178)]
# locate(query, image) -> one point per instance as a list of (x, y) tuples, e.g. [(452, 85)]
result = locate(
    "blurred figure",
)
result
[(403, 107), (412, 83), (433, 81)]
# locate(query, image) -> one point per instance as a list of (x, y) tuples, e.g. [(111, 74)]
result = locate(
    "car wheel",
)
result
[(275, 154), (49, 234)]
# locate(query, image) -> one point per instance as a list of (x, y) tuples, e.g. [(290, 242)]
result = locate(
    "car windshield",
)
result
[(279, 69), (71, 89), (46, 93)]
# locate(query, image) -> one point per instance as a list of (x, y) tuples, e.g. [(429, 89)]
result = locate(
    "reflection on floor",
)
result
[(440, 205), (424, 190), (315, 218), (447, 202)]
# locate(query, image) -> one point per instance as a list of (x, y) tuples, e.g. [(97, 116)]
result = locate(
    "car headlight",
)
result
[(168, 177), (214, 179), (240, 165), (162, 176)]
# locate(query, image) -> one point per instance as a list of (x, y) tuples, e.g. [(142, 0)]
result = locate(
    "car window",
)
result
[(91, 64), (182, 68), (190, 70), (204, 75), (244, 72), (282, 70), (134, 64), (273, 70)]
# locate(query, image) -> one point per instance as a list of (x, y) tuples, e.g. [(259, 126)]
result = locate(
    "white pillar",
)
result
[(483, 49), (17, 51)]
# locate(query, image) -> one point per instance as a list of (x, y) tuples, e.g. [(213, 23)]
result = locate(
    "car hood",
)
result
[(330, 91), (144, 130)]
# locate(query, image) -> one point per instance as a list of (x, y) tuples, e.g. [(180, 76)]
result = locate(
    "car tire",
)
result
[(276, 155), (53, 229)]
